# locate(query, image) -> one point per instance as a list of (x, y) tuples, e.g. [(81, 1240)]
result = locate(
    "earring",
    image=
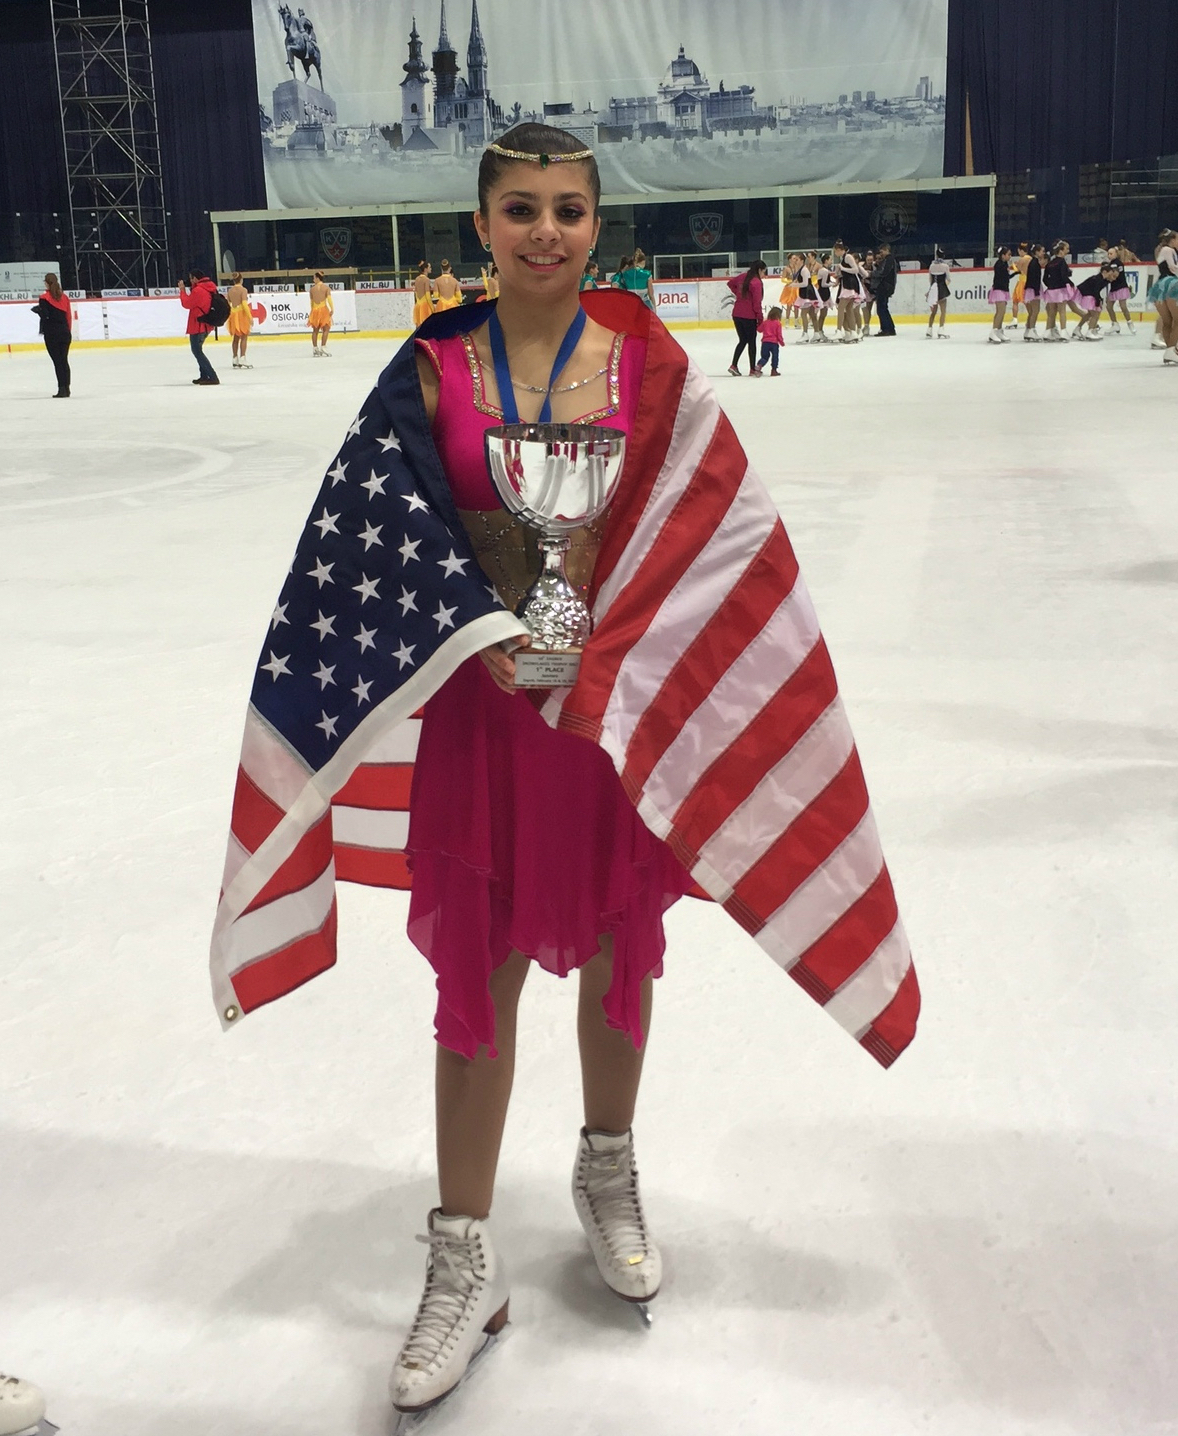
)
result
[(487, 247)]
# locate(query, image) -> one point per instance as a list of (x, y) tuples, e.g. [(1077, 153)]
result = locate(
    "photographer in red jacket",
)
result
[(196, 296)]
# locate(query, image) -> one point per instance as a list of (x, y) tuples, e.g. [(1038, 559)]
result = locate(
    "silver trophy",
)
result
[(554, 478)]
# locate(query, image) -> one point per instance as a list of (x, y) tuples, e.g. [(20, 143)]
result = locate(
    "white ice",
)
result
[(207, 1234)]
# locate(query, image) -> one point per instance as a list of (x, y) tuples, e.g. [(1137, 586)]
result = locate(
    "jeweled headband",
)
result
[(542, 160)]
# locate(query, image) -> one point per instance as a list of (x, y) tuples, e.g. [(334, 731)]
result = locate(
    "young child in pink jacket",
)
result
[(771, 340)]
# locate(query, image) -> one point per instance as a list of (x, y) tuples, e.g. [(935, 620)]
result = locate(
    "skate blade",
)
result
[(407, 1422)]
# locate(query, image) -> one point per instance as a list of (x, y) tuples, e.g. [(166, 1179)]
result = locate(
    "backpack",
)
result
[(217, 312)]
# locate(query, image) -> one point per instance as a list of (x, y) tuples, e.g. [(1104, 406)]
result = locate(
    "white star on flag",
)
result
[(415, 501), (324, 626), (375, 485), (321, 572), (355, 427), (408, 550), (328, 725), (390, 441), (324, 675), (371, 535), (444, 617), (364, 638), (366, 588), (279, 615), (406, 601), (326, 525), (276, 666), (404, 655), (453, 564), (339, 474), (361, 691)]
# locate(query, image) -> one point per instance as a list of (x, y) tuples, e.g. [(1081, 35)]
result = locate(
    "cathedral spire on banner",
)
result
[(476, 55)]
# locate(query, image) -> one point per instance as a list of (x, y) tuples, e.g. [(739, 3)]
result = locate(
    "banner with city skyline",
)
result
[(364, 104)]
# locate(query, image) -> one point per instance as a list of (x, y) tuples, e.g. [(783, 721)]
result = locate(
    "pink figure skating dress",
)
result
[(520, 836)]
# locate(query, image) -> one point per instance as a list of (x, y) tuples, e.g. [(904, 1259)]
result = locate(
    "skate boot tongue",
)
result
[(451, 1226), (607, 1141)]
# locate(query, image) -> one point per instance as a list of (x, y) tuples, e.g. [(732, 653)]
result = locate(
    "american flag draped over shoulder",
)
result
[(706, 680)]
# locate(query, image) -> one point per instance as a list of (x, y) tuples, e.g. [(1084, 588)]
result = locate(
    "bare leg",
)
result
[(472, 1098), (610, 1067)]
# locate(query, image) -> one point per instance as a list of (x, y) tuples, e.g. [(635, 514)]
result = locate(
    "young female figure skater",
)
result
[(748, 290), (790, 290), (240, 321), (55, 312), (822, 286), (1019, 264), (1033, 291), (1089, 295), (808, 295), (1058, 291), (1000, 293), (449, 290), (589, 278), (320, 317), (938, 294), (634, 276), (849, 275), (1163, 293), (771, 341), (490, 278), (424, 293), (1118, 293)]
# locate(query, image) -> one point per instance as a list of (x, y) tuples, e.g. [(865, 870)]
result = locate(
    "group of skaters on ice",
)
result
[(1035, 280)]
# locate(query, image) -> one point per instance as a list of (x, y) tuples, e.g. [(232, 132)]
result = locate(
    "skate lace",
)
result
[(611, 1188), (452, 1280)]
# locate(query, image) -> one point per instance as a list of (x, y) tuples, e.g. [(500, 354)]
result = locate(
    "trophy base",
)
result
[(540, 668)]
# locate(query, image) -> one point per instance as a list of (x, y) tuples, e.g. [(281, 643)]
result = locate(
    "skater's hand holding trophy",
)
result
[(554, 478)]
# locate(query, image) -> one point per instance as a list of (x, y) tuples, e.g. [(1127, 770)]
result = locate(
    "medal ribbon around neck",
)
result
[(503, 368)]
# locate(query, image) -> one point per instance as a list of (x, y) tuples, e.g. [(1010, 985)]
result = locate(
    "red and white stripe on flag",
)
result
[(710, 686)]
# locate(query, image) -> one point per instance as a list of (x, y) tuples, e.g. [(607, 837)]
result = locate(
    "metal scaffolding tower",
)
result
[(108, 122)]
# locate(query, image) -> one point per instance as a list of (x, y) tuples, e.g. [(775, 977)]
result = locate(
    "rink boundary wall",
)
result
[(386, 314)]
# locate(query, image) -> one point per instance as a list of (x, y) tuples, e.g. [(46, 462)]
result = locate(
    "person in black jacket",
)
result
[(56, 316), (883, 286)]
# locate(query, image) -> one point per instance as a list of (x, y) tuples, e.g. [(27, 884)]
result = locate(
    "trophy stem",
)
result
[(552, 608)]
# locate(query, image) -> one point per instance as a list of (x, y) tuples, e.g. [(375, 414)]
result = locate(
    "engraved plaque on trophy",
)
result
[(554, 478)]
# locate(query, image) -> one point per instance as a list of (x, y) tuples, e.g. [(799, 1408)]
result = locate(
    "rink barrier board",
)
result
[(386, 314)]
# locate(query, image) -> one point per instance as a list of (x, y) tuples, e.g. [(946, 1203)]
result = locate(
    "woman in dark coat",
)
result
[(53, 309)]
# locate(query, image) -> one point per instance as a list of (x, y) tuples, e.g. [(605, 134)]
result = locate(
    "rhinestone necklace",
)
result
[(563, 389)]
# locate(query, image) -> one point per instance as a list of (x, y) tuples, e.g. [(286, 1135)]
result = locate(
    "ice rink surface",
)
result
[(205, 1234)]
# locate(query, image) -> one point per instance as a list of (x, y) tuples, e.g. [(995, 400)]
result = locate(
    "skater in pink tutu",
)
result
[(1118, 293), (999, 294)]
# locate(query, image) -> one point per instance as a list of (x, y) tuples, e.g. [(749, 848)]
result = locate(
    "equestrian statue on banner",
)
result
[(301, 43)]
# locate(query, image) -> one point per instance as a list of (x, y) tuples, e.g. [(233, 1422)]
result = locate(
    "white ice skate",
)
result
[(21, 1407), (995, 337), (1157, 343), (1170, 356), (462, 1314), (605, 1194), (1030, 337), (1116, 328), (1132, 328)]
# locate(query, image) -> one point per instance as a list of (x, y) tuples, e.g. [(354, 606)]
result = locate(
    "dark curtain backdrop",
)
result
[(207, 108), (1052, 84), (32, 161)]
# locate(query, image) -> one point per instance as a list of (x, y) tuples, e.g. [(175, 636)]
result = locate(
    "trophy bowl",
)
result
[(554, 478)]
